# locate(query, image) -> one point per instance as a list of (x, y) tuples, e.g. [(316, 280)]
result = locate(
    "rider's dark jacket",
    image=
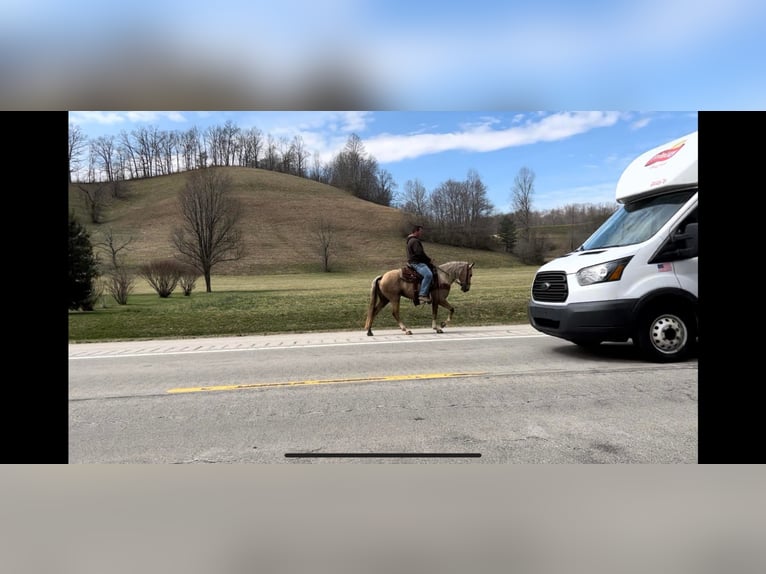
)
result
[(415, 252)]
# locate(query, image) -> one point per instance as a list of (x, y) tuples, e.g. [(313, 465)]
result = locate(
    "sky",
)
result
[(394, 55), (577, 156)]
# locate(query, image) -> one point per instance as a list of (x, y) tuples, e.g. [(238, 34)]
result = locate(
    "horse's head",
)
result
[(464, 278)]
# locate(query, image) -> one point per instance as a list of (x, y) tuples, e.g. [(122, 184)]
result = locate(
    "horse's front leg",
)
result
[(444, 323), (395, 313), (434, 313)]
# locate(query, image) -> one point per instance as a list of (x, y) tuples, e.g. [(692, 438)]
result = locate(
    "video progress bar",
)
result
[(383, 455)]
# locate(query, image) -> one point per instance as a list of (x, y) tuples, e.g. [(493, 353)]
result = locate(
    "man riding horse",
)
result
[(418, 260)]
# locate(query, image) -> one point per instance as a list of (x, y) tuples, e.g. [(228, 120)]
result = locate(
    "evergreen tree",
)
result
[(506, 230), (82, 267)]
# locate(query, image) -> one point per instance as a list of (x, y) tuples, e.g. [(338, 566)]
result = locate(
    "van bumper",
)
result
[(585, 322)]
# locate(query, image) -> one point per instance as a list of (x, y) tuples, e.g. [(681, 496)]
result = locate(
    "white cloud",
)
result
[(640, 123), (103, 118), (481, 138), (128, 117)]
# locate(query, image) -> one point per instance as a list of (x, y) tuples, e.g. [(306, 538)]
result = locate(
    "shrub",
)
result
[(188, 279), (163, 275), (120, 285)]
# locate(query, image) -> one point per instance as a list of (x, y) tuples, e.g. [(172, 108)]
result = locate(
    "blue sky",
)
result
[(577, 157), (297, 54)]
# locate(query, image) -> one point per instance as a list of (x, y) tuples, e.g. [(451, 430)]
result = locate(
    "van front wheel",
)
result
[(666, 336)]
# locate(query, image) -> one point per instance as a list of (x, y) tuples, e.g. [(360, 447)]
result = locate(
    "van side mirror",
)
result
[(690, 239)]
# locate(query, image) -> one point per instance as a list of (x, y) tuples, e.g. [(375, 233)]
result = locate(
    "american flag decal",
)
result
[(664, 267)]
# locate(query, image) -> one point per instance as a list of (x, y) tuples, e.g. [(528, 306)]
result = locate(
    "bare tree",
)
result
[(190, 146), (102, 150), (384, 188), (97, 198), (231, 142), (415, 199), (142, 145), (112, 246), (479, 205), (119, 280), (250, 146), (320, 171), (209, 234), (77, 144), (222, 143), (349, 168), (119, 189), (462, 213), (158, 139), (287, 161), (445, 199), (168, 146), (523, 189), (572, 210), (300, 156), (129, 151), (325, 242), (271, 160)]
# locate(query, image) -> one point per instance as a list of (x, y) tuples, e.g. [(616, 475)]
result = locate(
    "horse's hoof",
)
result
[(369, 333), (438, 330), (408, 332)]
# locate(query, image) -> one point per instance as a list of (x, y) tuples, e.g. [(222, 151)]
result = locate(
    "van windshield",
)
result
[(637, 221)]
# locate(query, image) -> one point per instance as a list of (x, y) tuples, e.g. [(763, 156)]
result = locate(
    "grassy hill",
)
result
[(280, 212)]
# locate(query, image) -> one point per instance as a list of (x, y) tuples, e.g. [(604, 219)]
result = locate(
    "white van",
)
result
[(635, 278)]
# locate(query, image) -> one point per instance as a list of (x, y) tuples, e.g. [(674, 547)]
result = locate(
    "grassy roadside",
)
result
[(266, 304)]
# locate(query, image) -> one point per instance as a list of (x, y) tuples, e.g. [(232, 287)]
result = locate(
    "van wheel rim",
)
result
[(668, 334)]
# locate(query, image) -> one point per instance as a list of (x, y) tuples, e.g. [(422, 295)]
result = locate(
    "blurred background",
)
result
[(344, 54), (338, 519)]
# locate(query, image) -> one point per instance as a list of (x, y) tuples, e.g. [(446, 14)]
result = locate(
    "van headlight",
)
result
[(603, 272)]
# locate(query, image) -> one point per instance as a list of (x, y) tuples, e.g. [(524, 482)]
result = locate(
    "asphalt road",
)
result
[(502, 394)]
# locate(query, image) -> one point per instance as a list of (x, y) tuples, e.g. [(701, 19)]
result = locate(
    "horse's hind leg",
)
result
[(382, 302)]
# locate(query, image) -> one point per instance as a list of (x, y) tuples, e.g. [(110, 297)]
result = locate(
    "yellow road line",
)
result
[(324, 382)]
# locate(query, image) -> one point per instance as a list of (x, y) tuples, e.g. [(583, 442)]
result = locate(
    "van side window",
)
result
[(691, 218)]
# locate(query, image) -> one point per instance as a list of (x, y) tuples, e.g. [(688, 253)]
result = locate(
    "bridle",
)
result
[(463, 282), (465, 285)]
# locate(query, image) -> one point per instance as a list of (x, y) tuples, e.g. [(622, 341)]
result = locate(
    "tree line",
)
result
[(150, 152)]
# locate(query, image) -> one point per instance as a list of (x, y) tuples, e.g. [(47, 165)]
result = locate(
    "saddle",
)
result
[(409, 275)]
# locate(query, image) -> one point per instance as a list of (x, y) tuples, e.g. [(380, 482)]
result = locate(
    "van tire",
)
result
[(666, 335)]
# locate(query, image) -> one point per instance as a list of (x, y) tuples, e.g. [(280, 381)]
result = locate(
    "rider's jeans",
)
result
[(425, 271)]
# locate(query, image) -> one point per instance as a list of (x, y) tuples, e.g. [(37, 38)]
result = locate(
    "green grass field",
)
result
[(294, 303)]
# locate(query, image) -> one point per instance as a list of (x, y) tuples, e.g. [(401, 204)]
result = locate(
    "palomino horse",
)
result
[(389, 287)]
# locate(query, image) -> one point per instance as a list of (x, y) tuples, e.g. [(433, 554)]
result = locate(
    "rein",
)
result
[(449, 276), (443, 271)]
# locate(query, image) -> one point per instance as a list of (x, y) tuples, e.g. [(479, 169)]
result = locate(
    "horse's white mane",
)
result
[(452, 268)]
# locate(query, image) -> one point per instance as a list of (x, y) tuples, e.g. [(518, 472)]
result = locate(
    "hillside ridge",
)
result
[(280, 214)]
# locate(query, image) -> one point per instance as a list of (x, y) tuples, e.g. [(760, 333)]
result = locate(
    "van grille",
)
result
[(550, 286)]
